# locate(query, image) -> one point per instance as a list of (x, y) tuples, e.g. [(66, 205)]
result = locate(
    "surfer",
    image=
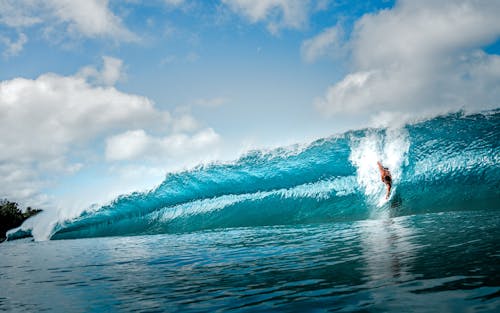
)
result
[(386, 178)]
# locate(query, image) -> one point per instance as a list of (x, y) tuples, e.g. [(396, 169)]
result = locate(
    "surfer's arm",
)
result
[(381, 169)]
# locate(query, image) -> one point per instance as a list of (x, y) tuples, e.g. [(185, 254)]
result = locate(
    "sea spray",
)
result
[(390, 147)]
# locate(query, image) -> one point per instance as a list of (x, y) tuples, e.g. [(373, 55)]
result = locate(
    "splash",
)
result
[(445, 163), (389, 147)]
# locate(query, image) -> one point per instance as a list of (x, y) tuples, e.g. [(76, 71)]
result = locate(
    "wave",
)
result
[(446, 163)]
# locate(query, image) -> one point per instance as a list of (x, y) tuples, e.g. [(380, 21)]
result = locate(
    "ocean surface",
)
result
[(303, 228)]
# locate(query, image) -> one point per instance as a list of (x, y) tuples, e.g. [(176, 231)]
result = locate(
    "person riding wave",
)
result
[(386, 178)]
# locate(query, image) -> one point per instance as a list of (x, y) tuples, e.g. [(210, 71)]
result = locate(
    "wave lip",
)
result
[(446, 163)]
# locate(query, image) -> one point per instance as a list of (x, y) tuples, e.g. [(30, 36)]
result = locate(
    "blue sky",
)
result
[(100, 98)]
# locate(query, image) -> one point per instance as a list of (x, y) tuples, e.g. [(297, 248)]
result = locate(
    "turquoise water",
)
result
[(304, 228), (438, 262)]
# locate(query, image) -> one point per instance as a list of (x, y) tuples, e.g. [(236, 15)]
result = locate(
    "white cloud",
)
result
[(349, 95), (111, 73), (86, 18), (424, 29), (53, 125), (138, 144), (184, 123), (19, 13), (13, 48), (421, 58), (277, 14), (91, 18), (128, 145), (40, 117), (327, 43)]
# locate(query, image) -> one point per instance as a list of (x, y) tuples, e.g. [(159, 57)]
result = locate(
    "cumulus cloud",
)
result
[(86, 18), (277, 14), (327, 43), (349, 94), (420, 57), (137, 143), (53, 124), (52, 111)]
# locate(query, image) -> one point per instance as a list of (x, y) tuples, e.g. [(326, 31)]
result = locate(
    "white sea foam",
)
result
[(43, 225), (339, 186), (390, 147)]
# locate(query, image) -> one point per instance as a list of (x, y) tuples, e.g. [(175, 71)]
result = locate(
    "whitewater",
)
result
[(442, 164)]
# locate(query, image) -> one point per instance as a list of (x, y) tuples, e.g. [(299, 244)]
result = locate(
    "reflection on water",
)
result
[(387, 249), (436, 262), (389, 253)]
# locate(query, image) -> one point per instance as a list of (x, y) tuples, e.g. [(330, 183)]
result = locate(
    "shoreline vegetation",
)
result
[(11, 216)]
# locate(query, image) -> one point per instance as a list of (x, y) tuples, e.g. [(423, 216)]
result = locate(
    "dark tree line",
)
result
[(11, 216)]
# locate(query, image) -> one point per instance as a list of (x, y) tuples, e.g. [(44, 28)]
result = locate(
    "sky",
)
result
[(103, 97)]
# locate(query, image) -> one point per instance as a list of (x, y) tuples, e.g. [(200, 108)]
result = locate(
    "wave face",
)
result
[(442, 164)]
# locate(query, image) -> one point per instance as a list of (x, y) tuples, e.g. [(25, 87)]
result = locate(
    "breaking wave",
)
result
[(446, 163)]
